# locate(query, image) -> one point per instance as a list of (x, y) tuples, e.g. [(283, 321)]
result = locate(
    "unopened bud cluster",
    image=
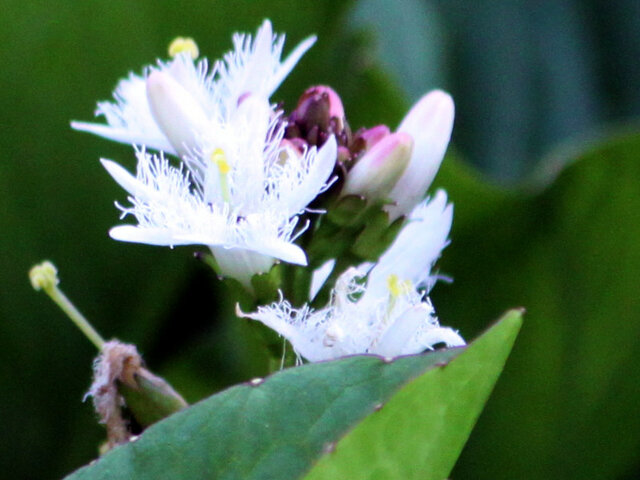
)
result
[(397, 167)]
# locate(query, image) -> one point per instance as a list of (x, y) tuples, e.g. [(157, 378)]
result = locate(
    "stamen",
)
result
[(45, 277), (393, 285), (219, 159), (397, 287), (184, 44)]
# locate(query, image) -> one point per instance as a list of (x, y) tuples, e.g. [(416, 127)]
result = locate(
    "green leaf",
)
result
[(279, 427), (566, 406), (421, 431)]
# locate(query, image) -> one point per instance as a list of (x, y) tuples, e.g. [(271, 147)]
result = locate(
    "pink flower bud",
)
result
[(429, 123), (377, 172), (175, 111), (320, 107), (364, 139)]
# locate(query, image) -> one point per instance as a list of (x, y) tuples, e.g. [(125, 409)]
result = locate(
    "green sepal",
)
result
[(210, 260), (353, 230), (151, 398), (266, 285), (344, 212), (377, 236)]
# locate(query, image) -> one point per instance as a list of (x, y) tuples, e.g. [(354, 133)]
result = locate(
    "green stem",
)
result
[(76, 317)]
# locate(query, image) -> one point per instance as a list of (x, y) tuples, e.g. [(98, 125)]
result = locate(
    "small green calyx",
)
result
[(44, 276), (183, 44)]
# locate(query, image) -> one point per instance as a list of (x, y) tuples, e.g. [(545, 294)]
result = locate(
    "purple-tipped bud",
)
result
[(377, 172), (318, 105), (429, 123), (364, 139), (176, 111), (318, 115)]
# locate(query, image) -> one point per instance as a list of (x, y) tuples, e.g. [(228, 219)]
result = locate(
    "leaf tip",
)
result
[(514, 316)]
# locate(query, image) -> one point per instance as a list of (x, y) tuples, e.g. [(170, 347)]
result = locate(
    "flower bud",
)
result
[(429, 123), (176, 111), (318, 115), (377, 172), (365, 139)]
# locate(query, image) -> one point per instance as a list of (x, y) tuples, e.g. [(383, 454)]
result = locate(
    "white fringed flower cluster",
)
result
[(378, 309), (238, 187), (242, 188)]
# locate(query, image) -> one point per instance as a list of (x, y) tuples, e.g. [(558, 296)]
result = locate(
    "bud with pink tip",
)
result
[(318, 115), (377, 172), (429, 123), (365, 139)]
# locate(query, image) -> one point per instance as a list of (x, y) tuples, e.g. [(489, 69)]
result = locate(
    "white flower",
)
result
[(239, 187), (242, 204), (389, 315), (175, 102)]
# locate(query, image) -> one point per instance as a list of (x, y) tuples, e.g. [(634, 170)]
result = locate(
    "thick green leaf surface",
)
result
[(279, 427), (421, 431), (566, 405)]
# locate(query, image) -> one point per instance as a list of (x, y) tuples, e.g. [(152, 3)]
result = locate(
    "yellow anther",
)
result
[(393, 285), (397, 287), (184, 44), (220, 159)]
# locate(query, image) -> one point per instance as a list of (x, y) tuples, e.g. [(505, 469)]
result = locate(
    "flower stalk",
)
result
[(45, 277), (120, 377)]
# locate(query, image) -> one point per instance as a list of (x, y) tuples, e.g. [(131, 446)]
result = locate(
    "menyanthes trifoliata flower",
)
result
[(196, 95), (380, 309), (239, 186)]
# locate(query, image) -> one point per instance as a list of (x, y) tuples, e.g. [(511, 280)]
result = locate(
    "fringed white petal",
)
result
[(399, 333), (148, 235), (285, 68), (129, 119), (154, 140), (311, 177), (319, 277), (417, 246)]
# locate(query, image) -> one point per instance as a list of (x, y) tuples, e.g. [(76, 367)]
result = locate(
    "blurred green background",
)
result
[(544, 173)]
